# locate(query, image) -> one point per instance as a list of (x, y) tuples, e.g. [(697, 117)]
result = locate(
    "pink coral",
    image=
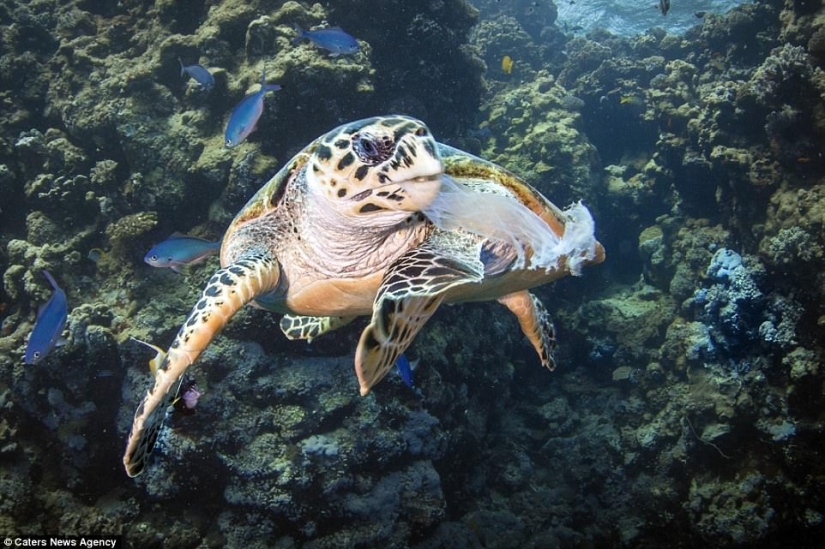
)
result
[(190, 397)]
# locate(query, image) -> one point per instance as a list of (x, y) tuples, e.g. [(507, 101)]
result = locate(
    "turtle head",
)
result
[(375, 166)]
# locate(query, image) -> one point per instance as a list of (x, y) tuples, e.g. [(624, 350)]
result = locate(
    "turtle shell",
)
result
[(268, 196), (463, 165)]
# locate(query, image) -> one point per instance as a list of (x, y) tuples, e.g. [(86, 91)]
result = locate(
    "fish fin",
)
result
[(157, 360), (178, 235), (272, 87), (55, 287), (147, 344), (182, 68), (201, 259), (535, 323), (61, 342), (301, 34), (51, 280), (176, 268)]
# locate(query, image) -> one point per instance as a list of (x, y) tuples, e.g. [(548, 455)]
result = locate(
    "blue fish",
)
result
[(333, 39), (199, 73), (245, 115), (179, 250), (51, 319), (405, 370)]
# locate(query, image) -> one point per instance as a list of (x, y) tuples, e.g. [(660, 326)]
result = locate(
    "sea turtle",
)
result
[(377, 218)]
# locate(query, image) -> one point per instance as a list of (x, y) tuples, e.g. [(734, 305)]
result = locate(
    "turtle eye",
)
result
[(372, 149), (367, 148)]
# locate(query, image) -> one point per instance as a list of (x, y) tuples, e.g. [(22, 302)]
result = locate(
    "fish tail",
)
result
[(51, 280), (301, 35), (227, 291)]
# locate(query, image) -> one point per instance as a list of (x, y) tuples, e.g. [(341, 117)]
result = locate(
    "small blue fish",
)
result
[(199, 73), (51, 319), (333, 39), (405, 370), (179, 250), (245, 115)]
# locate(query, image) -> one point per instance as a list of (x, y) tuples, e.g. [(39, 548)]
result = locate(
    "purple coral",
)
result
[(190, 396)]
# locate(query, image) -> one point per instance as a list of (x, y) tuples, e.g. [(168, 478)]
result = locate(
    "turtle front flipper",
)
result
[(310, 327), (535, 323), (411, 291), (228, 290)]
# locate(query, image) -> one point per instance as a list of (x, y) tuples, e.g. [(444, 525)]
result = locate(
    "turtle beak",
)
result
[(420, 191)]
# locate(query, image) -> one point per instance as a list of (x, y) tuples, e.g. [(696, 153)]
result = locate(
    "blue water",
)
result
[(629, 17)]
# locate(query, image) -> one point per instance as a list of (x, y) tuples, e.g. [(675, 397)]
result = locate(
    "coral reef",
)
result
[(686, 409), (536, 133)]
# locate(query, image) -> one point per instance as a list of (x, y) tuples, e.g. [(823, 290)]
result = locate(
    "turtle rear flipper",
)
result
[(227, 291), (535, 323), (411, 291), (310, 327)]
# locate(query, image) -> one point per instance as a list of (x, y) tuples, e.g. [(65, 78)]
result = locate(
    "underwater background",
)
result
[(687, 406), (629, 17)]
